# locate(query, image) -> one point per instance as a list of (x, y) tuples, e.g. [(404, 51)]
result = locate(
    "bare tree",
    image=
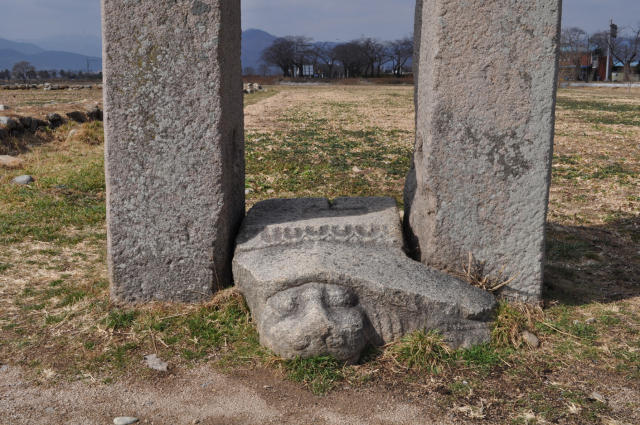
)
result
[(573, 45), (304, 53), (373, 50), (22, 70), (249, 71), (625, 48), (264, 69), (628, 50), (399, 52), (287, 53), (280, 54), (351, 56), (327, 54)]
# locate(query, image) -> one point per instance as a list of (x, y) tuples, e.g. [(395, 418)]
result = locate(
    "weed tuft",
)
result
[(511, 320), (422, 350), (475, 274)]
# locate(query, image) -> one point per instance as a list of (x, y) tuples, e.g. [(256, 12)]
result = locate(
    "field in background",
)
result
[(57, 321)]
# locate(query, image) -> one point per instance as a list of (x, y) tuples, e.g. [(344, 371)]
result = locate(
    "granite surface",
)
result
[(481, 170), (173, 116)]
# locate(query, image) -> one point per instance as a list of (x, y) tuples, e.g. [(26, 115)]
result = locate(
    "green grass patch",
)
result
[(320, 374), (117, 357), (566, 159), (121, 319), (68, 193), (607, 113), (311, 161)]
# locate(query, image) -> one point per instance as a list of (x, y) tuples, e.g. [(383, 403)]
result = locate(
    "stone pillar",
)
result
[(174, 146), (481, 170)]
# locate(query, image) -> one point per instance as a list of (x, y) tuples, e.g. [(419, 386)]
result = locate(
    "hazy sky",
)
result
[(324, 20)]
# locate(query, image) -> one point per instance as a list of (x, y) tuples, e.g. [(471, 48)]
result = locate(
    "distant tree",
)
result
[(5, 75), (573, 45), (327, 54), (399, 52), (281, 54), (351, 57), (374, 51), (249, 71), (287, 53), (21, 70), (32, 74), (264, 69), (53, 73), (43, 75)]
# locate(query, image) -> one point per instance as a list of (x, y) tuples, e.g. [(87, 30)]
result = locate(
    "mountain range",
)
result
[(82, 44), (12, 52), (69, 51), (253, 43)]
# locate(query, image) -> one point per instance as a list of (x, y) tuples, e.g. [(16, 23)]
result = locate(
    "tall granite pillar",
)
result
[(481, 170), (174, 146)]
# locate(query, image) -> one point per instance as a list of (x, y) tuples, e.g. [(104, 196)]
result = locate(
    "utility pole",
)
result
[(590, 59), (613, 33), (297, 70), (89, 64)]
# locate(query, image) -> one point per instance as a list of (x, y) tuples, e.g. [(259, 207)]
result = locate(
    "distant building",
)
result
[(617, 73)]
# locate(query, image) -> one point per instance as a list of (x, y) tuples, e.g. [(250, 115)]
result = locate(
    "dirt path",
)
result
[(350, 107), (204, 395)]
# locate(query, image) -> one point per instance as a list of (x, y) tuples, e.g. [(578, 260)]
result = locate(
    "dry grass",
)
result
[(56, 317)]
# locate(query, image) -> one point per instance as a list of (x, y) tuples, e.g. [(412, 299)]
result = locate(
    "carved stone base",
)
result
[(326, 278)]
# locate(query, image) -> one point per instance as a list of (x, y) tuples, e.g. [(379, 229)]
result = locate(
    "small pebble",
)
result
[(599, 397), (531, 339), (576, 322), (4, 368), (23, 180), (590, 321), (125, 421), (153, 362), (356, 169), (50, 410)]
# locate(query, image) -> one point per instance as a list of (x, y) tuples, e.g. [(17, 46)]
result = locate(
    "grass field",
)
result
[(56, 318)]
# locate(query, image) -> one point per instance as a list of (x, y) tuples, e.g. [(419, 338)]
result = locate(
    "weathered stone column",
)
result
[(484, 139), (174, 146)]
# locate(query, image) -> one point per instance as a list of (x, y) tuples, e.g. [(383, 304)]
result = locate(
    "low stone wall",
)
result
[(17, 125), (252, 88), (48, 86)]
